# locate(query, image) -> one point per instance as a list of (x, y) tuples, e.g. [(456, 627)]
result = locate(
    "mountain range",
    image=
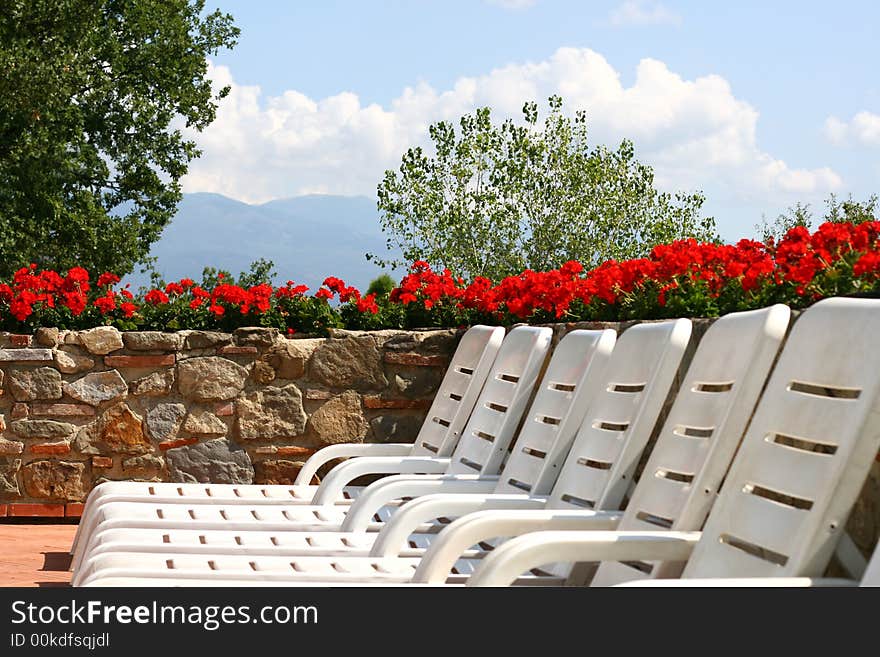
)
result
[(307, 237)]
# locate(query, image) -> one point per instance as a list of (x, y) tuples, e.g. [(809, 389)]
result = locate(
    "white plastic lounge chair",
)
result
[(692, 454), (570, 381), (468, 370), (479, 356), (636, 384), (785, 502), (479, 453), (869, 578), (574, 376)]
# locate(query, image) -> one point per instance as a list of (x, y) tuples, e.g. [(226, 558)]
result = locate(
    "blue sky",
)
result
[(757, 104)]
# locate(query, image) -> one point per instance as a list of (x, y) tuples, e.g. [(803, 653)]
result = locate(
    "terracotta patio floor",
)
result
[(35, 554)]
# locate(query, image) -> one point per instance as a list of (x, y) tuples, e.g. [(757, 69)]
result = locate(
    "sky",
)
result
[(758, 105)]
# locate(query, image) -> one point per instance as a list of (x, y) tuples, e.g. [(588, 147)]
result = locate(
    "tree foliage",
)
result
[(93, 94), (849, 211), (496, 199), (381, 285)]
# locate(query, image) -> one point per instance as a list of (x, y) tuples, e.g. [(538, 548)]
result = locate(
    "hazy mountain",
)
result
[(307, 237)]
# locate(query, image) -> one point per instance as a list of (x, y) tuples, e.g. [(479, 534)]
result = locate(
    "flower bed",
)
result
[(684, 278)]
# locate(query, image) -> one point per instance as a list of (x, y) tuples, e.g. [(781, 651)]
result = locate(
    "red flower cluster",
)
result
[(48, 289), (333, 285), (549, 291), (427, 286), (683, 277), (743, 269), (685, 262), (224, 296), (291, 291), (156, 297), (801, 256), (107, 279), (108, 303)]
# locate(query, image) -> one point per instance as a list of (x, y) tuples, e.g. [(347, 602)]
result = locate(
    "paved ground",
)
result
[(35, 554)]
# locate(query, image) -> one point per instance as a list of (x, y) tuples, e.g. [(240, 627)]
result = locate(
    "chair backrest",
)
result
[(457, 394), (621, 417), (806, 454), (573, 377), (871, 576), (502, 402), (701, 433)]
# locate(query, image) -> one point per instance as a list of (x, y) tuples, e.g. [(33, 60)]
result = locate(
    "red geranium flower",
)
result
[(106, 303), (107, 278), (368, 304), (128, 308), (156, 297)]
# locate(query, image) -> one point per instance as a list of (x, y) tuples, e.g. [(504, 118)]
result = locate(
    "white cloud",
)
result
[(513, 5), (835, 130), (642, 12), (863, 128), (696, 133)]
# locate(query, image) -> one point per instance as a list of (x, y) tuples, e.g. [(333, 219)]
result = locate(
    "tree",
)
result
[(93, 96), (800, 214), (381, 286), (495, 200), (850, 211)]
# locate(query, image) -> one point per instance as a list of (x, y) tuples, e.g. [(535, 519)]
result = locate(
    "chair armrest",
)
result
[(518, 555), (345, 450), (380, 493), (473, 528), (407, 519), (748, 582), (339, 477)]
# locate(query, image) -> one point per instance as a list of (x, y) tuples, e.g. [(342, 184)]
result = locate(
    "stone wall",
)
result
[(79, 408)]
